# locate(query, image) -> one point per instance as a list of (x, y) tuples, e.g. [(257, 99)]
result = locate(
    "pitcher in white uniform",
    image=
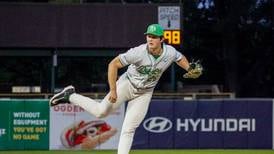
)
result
[(147, 62)]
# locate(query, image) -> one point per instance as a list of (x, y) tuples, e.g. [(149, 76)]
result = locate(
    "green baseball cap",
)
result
[(155, 29)]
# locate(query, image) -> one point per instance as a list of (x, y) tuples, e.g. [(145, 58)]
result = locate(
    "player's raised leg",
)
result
[(95, 108), (103, 108), (136, 112)]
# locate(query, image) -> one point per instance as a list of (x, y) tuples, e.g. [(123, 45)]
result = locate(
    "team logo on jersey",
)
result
[(153, 74), (144, 70)]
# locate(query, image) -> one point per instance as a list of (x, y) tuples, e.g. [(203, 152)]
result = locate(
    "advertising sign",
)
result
[(207, 124), (71, 127), (24, 124)]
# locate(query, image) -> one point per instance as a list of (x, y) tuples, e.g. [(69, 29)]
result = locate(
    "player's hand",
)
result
[(113, 96)]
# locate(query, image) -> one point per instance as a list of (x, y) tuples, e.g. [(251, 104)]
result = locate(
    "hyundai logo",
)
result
[(157, 124)]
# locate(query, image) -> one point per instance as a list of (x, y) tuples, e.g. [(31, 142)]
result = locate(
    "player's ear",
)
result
[(162, 39)]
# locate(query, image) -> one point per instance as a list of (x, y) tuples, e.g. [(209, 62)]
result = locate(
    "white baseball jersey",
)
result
[(144, 70)]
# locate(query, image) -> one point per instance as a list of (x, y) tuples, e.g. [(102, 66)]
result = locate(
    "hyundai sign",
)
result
[(162, 124), (206, 124)]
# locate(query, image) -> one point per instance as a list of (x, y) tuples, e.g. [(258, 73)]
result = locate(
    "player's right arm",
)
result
[(124, 59), (113, 68)]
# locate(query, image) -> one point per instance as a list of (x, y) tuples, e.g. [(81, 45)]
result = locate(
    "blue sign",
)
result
[(206, 124)]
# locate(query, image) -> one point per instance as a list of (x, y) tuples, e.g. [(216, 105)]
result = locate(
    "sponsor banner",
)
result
[(24, 124), (71, 127), (207, 124), (4, 124)]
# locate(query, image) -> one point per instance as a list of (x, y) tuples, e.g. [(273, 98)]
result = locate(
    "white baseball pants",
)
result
[(138, 103)]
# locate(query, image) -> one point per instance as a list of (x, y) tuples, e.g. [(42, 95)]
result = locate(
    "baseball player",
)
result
[(147, 63)]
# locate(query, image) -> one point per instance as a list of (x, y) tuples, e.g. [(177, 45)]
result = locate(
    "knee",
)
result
[(101, 115)]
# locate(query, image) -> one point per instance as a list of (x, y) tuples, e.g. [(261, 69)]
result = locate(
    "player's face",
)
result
[(154, 42)]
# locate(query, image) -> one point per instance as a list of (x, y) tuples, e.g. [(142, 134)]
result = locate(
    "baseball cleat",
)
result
[(62, 97)]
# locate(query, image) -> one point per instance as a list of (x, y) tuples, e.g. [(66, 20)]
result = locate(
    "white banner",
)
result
[(73, 128)]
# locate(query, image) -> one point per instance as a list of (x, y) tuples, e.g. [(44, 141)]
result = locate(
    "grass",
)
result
[(145, 152)]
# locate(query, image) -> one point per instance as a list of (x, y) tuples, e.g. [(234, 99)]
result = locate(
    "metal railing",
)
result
[(186, 96)]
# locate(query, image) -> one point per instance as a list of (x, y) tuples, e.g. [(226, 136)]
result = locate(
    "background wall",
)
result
[(85, 26)]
